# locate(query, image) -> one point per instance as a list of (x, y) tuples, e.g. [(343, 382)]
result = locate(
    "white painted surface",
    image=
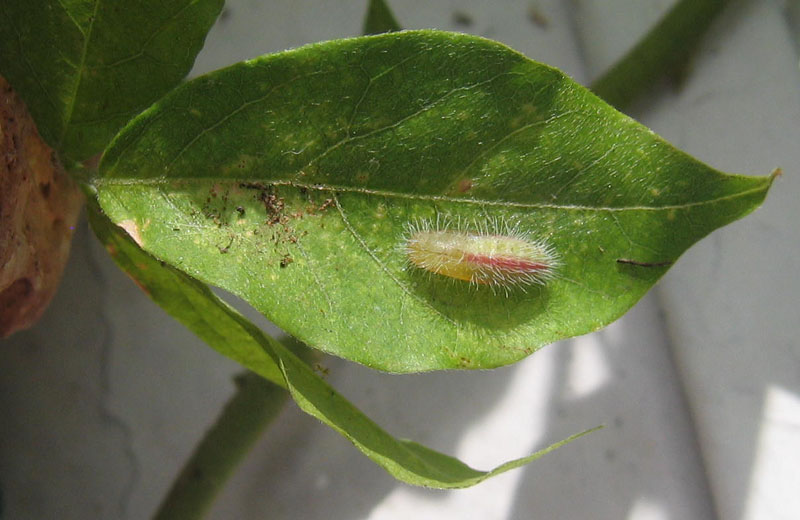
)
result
[(732, 302), (105, 398)]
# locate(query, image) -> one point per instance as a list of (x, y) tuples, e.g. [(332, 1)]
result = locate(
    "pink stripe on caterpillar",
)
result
[(506, 263)]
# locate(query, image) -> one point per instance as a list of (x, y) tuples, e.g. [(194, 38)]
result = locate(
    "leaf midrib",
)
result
[(161, 181), (80, 69)]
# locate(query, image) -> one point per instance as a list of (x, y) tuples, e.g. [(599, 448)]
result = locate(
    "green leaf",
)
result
[(405, 460), (379, 18), (290, 181), (86, 67), (663, 51), (194, 305), (190, 302)]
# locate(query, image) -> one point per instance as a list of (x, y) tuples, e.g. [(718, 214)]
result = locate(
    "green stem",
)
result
[(255, 404), (664, 50)]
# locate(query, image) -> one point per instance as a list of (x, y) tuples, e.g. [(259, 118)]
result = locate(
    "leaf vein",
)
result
[(81, 69), (383, 266), (423, 109), (232, 113), (372, 81)]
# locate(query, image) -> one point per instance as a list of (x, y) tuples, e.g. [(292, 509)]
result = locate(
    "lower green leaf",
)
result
[(193, 304), (187, 300), (405, 460)]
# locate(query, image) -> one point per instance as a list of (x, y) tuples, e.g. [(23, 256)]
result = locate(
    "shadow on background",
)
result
[(646, 459)]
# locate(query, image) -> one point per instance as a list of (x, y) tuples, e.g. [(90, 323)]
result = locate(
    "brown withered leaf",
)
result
[(39, 205)]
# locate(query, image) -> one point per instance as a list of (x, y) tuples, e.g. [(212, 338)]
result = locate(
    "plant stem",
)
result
[(254, 405), (664, 50)]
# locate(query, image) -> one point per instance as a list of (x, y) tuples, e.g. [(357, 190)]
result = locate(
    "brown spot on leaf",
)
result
[(327, 204), (464, 185), (39, 206), (132, 229)]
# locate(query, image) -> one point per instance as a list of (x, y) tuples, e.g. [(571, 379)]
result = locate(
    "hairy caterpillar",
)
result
[(496, 254)]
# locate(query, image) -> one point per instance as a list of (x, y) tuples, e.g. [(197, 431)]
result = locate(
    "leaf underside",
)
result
[(228, 332), (290, 180)]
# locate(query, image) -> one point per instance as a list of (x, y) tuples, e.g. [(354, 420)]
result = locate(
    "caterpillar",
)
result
[(496, 254)]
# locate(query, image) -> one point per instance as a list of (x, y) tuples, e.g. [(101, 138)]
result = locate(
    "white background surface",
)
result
[(699, 385)]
